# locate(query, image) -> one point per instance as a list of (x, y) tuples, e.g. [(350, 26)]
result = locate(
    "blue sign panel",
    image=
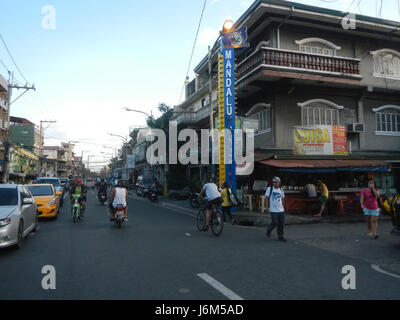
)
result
[(235, 39), (229, 95)]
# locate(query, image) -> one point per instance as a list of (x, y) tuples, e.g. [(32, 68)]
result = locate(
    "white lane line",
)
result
[(220, 287), (377, 268)]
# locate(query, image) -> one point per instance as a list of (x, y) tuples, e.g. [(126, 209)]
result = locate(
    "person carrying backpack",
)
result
[(275, 196), (226, 205)]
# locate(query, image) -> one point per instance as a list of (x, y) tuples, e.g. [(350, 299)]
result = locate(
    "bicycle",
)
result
[(216, 219), (76, 208)]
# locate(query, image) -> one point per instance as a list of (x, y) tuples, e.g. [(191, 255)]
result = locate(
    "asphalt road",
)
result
[(159, 254)]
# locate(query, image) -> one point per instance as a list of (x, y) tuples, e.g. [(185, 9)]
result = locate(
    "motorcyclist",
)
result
[(79, 189), (119, 195), (102, 188)]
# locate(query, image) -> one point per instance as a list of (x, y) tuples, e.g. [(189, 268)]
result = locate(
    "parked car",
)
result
[(57, 186), (17, 215), (46, 200)]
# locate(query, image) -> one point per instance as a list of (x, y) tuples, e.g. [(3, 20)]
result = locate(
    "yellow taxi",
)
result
[(47, 200)]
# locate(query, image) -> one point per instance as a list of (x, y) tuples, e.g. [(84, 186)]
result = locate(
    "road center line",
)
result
[(220, 287), (377, 268)]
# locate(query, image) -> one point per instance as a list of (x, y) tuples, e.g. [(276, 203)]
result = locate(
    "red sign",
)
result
[(339, 138)]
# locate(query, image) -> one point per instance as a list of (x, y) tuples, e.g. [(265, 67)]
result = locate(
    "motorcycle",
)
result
[(145, 192), (102, 198), (119, 215), (193, 200), (153, 195)]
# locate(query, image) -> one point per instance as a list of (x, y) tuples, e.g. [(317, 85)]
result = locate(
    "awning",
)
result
[(327, 166)]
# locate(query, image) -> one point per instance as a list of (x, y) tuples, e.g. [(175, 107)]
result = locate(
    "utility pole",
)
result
[(7, 143), (42, 142)]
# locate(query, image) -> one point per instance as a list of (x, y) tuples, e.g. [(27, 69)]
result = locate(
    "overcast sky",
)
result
[(104, 55)]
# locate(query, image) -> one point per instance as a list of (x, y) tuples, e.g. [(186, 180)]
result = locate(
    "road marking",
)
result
[(377, 268), (220, 287)]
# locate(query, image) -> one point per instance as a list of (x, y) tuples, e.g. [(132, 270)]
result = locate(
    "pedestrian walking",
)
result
[(227, 204), (322, 188), (275, 202), (370, 204)]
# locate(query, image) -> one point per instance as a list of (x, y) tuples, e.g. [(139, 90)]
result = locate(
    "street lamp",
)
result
[(227, 26), (116, 135), (133, 110)]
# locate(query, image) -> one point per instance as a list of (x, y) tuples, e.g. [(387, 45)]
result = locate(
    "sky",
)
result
[(104, 55)]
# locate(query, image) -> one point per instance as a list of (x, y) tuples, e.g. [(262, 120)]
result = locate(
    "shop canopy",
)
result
[(327, 166)]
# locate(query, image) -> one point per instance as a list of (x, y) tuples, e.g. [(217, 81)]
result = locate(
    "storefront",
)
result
[(344, 179)]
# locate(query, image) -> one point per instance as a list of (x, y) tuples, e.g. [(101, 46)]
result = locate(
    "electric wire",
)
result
[(194, 45), (9, 53)]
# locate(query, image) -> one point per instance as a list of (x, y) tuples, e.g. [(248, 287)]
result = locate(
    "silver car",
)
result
[(18, 215)]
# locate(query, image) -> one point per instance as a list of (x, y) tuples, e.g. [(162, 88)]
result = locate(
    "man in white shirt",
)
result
[(119, 195), (214, 199), (275, 199)]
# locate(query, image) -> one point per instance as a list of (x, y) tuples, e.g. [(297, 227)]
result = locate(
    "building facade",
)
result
[(305, 68), (4, 121)]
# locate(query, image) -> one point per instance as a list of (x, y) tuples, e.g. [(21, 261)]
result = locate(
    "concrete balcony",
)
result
[(270, 64), (193, 118)]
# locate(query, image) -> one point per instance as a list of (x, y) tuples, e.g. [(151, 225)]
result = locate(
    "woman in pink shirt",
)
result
[(369, 204)]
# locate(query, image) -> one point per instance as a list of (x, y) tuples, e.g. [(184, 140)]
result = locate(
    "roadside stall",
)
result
[(343, 178)]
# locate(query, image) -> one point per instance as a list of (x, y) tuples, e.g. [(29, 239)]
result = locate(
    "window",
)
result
[(387, 122), (317, 46), (264, 120), (386, 63), (319, 112), (317, 50)]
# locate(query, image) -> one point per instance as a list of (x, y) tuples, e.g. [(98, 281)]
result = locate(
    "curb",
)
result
[(262, 220)]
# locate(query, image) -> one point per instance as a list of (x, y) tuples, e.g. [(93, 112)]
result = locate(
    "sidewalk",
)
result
[(255, 218)]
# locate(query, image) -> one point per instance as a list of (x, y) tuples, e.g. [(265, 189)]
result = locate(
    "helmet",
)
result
[(79, 181), (276, 179)]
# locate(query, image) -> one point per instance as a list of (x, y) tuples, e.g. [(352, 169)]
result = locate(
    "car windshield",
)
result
[(54, 182), (41, 190), (8, 197)]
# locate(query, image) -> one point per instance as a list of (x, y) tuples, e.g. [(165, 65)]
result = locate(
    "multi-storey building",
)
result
[(25, 133), (309, 66), (3, 120)]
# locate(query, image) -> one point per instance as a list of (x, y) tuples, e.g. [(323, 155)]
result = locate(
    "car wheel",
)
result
[(36, 228), (20, 236)]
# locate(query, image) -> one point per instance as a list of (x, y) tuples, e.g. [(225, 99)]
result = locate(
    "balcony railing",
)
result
[(300, 62), (193, 117)]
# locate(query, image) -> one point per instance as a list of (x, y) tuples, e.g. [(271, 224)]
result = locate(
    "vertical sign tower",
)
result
[(231, 39)]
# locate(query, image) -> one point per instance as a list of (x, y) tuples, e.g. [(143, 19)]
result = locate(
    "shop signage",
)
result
[(320, 140)]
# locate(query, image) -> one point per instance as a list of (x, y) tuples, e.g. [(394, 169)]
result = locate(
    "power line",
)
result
[(194, 45), (9, 53), (5, 67)]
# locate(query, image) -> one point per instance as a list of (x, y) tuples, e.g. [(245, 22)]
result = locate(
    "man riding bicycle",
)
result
[(214, 199), (118, 196), (79, 190)]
